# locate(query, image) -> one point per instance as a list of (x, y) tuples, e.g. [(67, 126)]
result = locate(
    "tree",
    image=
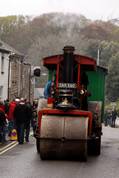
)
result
[(112, 88)]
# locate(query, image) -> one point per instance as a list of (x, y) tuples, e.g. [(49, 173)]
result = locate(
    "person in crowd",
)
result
[(84, 94), (28, 120), (34, 115), (6, 104), (11, 122), (108, 118), (3, 123), (2, 106), (47, 89), (114, 115), (42, 102), (84, 79), (20, 115)]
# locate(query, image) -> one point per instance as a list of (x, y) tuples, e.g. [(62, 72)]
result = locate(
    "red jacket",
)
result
[(12, 106), (2, 107)]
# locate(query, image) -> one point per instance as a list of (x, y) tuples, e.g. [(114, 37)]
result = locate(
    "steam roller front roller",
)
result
[(63, 137)]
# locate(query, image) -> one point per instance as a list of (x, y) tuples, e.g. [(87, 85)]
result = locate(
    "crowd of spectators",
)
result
[(20, 115), (110, 118)]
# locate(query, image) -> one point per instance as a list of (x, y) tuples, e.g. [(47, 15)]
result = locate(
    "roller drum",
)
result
[(63, 137)]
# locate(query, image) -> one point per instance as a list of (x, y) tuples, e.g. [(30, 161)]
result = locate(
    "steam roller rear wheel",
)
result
[(38, 145), (44, 154), (94, 146), (97, 146)]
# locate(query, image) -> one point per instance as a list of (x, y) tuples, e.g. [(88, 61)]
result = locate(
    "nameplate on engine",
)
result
[(67, 85)]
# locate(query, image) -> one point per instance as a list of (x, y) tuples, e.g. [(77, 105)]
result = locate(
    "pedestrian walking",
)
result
[(34, 115), (114, 115), (2, 106), (28, 120), (108, 118), (3, 123), (20, 115), (6, 105), (11, 121)]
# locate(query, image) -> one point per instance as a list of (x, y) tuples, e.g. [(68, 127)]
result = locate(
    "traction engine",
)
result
[(69, 123)]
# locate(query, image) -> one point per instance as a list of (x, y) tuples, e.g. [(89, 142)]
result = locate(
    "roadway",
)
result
[(23, 161)]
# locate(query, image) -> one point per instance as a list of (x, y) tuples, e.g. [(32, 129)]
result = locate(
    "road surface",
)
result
[(22, 161)]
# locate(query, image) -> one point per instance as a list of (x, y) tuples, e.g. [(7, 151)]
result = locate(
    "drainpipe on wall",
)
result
[(8, 89)]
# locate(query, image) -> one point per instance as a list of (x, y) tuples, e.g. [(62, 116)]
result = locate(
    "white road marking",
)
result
[(8, 147)]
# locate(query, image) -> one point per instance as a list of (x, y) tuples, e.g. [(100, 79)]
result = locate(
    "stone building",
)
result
[(15, 74)]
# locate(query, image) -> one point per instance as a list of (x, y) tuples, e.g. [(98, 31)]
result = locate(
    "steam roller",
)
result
[(69, 119)]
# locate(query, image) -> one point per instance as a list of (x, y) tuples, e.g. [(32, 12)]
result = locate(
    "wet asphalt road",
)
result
[(22, 161)]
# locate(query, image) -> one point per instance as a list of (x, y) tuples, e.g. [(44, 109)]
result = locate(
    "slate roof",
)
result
[(7, 48)]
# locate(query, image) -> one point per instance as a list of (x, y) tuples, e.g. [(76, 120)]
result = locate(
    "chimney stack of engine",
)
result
[(68, 64)]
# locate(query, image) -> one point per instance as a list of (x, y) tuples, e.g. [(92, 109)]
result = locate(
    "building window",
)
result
[(2, 64)]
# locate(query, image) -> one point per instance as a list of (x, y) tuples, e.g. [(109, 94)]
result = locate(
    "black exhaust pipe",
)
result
[(68, 64)]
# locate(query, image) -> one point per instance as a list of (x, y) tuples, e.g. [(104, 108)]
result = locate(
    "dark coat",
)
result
[(2, 118), (114, 115), (29, 113), (20, 113)]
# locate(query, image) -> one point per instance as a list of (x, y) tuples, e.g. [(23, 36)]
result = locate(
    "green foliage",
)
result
[(113, 78)]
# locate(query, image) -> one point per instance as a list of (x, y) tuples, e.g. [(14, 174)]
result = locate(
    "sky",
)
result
[(92, 9)]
